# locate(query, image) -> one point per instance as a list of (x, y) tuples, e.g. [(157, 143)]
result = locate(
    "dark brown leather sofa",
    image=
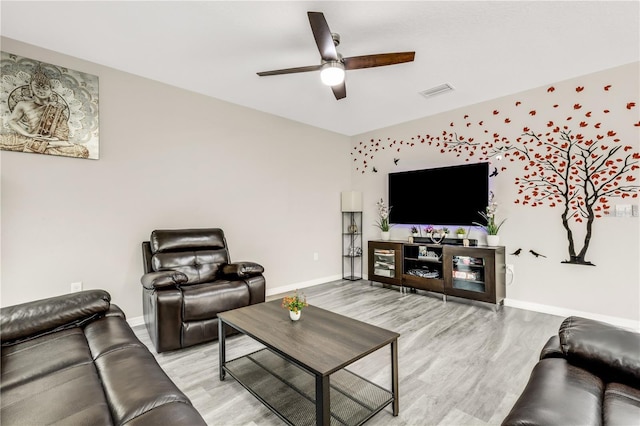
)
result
[(589, 374), (74, 360), (188, 280)]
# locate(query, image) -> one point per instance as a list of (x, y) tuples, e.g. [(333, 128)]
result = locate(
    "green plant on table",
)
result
[(294, 303)]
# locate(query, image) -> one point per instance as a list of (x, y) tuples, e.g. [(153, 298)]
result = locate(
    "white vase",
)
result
[(385, 235), (493, 240), (295, 316), (461, 236)]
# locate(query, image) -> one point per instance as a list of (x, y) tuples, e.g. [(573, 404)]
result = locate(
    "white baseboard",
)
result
[(529, 306), (564, 312), (135, 321)]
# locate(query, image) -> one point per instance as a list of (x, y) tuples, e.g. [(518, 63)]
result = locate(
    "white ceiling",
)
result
[(485, 49)]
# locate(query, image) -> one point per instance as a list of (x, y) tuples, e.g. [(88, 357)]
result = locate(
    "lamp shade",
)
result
[(351, 201)]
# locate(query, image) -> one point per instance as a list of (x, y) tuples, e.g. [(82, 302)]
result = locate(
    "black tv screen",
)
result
[(440, 196)]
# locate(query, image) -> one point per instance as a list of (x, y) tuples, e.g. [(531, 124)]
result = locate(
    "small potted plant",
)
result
[(460, 232), (294, 305), (414, 231), (490, 226), (429, 230), (383, 221)]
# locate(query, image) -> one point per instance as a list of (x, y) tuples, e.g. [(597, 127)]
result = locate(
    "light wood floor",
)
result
[(460, 362)]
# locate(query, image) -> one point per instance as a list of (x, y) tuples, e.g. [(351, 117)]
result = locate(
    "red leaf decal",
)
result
[(630, 178), (579, 89), (507, 120), (607, 87), (532, 112), (597, 125), (551, 89), (496, 112), (518, 103), (611, 133), (627, 148), (631, 105), (583, 124), (577, 106)]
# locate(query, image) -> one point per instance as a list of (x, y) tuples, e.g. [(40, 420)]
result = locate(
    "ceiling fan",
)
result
[(333, 65)]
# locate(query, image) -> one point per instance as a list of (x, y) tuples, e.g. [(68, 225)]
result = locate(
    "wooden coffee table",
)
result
[(300, 374)]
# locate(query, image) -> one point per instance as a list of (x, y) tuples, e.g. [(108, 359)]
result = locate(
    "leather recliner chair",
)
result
[(188, 280)]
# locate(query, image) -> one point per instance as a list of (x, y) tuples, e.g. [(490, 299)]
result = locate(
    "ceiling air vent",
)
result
[(442, 88)]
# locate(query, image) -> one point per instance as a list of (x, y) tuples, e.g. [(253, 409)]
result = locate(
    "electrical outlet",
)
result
[(315, 256), (75, 287)]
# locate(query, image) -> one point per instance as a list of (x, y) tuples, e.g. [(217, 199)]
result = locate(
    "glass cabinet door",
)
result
[(468, 273), (384, 262)]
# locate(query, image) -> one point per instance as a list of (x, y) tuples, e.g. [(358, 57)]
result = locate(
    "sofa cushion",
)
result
[(33, 319), (621, 405), (39, 357), (605, 350), (558, 393), (134, 384), (203, 302), (163, 240), (107, 334), (199, 266), (70, 396)]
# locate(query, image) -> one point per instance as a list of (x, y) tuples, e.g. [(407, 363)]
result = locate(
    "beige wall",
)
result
[(611, 289), (169, 159)]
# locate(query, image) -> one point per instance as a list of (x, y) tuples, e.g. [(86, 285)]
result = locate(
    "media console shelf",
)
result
[(476, 273)]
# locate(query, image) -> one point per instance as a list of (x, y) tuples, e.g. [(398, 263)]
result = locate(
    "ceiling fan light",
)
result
[(332, 73)]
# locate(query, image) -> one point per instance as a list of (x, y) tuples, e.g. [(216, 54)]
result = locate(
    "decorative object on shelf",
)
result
[(490, 226), (460, 232), (429, 230), (354, 251), (437, 235), (493, 240), (414, 231), (383, 219), (385, 235), (294, 304), (353, 228)]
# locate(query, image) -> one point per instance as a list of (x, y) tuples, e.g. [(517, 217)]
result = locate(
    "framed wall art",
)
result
[(48, 109)]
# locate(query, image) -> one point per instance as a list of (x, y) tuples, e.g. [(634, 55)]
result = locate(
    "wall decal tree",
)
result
[(571, 160)]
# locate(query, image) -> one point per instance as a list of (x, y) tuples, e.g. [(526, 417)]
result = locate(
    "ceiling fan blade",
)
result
[(382, 59), (322, 35), (340, 91), (290, 70)]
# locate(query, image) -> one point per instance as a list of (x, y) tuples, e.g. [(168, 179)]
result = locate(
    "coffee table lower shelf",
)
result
[(289, 391)]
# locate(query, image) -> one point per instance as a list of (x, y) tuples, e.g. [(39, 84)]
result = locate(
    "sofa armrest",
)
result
[(160, 279), (242, 269), (552, 349), (610, 352), (39, 317)]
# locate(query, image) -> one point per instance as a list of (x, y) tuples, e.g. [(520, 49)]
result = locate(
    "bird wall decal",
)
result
[(395, 161), (536, 254), (517, 252), (494, 172)]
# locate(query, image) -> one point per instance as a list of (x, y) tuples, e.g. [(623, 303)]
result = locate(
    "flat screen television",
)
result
[(440, 196)]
